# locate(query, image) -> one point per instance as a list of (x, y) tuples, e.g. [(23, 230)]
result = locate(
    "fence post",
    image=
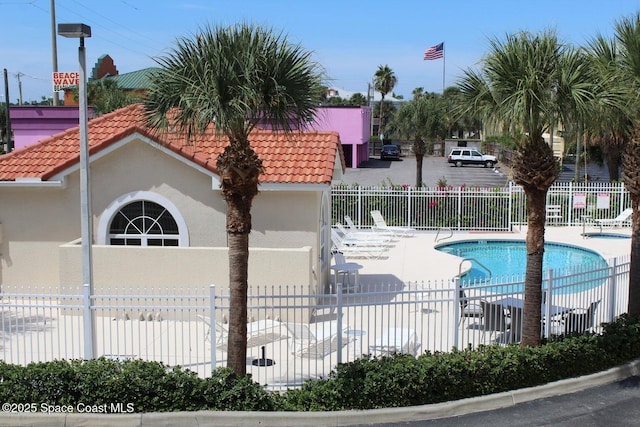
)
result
[(87, 322), (212, 317), (613, 285), (510, 207), (456, 310), (339, 314), (360, 224), (409, 206), (459, 208), (548, 302)]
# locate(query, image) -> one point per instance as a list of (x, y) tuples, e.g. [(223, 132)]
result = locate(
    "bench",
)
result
[(554, 213)]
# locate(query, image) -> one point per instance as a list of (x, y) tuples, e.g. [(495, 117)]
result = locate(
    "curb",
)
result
[(337, 418)]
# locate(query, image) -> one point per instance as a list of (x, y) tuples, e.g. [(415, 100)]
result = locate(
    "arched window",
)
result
[(142, 219), (143, 223)]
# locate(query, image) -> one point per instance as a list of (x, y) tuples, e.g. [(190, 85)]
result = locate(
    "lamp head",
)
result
[(74, 31)]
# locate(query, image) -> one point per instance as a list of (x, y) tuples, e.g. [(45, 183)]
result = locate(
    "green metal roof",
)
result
[(134, 80)]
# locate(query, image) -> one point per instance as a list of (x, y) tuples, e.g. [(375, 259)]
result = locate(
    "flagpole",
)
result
[(444, 60)]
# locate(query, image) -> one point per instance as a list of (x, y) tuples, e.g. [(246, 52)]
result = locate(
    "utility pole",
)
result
[(54, 49), (19, 87), (6, 97)]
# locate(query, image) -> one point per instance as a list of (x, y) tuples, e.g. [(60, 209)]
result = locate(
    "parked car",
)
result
[(470, 156), (390, 151)]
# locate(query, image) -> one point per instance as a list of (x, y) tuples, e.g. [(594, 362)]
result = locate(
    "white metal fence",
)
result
[(474, 208), (154, 324)]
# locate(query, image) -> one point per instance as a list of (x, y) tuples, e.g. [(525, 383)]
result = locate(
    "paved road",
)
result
[(403, 171), (612, 405)]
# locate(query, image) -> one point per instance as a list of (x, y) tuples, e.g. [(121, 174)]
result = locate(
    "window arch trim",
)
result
[(136, 196)]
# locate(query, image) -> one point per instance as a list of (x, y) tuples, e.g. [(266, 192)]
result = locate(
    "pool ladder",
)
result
[(477, 262), (447, 237)]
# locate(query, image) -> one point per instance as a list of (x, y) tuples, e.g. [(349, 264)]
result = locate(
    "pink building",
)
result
[(354, 126), (31, 123)]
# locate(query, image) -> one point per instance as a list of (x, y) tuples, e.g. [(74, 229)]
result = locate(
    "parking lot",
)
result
[(434, 169)]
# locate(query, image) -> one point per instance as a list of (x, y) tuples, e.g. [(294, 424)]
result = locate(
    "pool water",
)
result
[(605, 236), (508, 257)]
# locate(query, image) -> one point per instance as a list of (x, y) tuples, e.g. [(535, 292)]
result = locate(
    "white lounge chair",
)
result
[(398, 340), (363, 236), (313, 340), (618, 221), (380, 224), (351, 227), (356, 248), (255, 329)]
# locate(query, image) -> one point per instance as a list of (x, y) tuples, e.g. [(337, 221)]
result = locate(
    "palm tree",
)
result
[(628, 37), (235, 78), (522, 87), (609, 125), (358, 99), (384, 82), (106, 96), (421, 119)]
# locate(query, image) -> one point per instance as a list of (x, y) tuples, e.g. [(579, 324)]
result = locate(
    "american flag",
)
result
[(434, 52)]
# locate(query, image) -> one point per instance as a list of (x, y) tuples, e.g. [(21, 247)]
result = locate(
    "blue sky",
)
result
[(349, 38)]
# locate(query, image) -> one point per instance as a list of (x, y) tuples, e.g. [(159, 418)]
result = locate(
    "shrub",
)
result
[(367, 383), (225, 390)]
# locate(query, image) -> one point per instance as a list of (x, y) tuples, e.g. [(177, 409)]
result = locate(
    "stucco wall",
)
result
[(183, 268), (37, 221), (129, 270)]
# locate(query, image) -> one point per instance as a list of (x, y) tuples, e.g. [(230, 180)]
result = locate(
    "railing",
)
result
[(435, 239), (477, 262), (474, 208), (160, 325)]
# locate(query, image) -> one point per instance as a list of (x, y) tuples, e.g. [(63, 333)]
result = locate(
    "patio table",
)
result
[(519, 303), (346, 269)]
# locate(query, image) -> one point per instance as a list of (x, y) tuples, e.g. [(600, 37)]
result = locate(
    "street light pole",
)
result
[(54, 49), (81, 31)]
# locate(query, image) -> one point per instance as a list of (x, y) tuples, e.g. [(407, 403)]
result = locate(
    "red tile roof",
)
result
[(299, 157)]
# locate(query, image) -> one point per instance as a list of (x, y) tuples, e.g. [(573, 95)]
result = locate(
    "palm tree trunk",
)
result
[(634, 265), (240, 168), (419, 149), (238, 291), (613, 150), (532, 314), (381, 118), (631, 177)]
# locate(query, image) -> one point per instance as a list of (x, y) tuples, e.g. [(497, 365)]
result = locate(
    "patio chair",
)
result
[(553, 213), (351, 227), (468, 309), (363, 236), (356, 248), (494, 318), (222, 330), (576, 321), (381, 225), (314, 340), (618, 221), (343, 270), (397, 340), (515, 326), (255, 330)]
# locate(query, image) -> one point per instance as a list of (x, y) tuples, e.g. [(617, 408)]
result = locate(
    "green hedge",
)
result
[(371, 382)]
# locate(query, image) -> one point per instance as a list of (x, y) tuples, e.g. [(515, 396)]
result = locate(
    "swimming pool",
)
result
[(508, 257), (605, 236)]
